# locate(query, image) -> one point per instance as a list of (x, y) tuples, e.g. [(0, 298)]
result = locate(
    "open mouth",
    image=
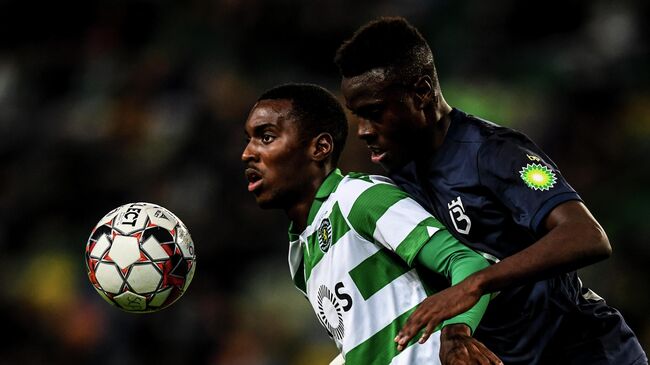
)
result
[(254, 178), (376, 154)]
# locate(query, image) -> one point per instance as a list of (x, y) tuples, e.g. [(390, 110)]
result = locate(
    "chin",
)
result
[(266, 203)]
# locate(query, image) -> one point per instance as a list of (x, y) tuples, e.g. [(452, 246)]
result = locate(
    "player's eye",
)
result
[(371, 113), (267, 138)]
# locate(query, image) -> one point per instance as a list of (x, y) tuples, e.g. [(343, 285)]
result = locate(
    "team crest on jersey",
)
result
[(538, 177), (324, 235)]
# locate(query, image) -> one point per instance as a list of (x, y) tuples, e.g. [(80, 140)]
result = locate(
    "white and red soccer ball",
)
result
[(140, 257)]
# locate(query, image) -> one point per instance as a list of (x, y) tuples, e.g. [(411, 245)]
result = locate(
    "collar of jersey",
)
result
[(329, 185), (324, 191)]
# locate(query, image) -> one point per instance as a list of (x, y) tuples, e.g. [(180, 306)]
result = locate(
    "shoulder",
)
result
[(467, 128), (362, 191), (469, 136), (470, 128), (487, 137), (356, 183), (507, 144)]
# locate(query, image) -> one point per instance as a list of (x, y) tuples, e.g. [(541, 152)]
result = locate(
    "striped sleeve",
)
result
[(384, 214)]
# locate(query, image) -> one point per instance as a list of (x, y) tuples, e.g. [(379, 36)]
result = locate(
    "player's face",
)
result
[(274, 154), (389, 122)]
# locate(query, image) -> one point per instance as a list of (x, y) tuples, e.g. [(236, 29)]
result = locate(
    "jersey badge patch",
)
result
[(325, 235), (538, 177)]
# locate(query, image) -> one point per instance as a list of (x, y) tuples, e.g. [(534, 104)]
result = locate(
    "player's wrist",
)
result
[(455, 329)]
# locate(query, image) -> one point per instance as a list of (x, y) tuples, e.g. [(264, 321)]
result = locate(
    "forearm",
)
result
[(456, 262), (472, 317), (461, 267), (568, 246)]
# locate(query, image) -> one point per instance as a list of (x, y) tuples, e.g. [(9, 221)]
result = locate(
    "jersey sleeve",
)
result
[(446, 256), (386, 215), (523, 179)]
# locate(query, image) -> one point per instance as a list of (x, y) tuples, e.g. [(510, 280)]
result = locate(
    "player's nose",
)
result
[(249, 153), (365, 130)]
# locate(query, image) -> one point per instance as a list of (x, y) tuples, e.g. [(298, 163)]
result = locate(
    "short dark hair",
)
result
[(317, 111), (391, 43)]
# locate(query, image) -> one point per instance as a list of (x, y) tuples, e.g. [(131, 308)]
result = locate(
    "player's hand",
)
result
[(458, 347), (435, 309)]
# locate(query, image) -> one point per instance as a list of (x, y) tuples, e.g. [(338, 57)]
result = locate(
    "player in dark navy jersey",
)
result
[(498, 193)]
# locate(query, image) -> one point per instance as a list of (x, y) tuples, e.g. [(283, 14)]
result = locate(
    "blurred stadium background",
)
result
[(108, 102)]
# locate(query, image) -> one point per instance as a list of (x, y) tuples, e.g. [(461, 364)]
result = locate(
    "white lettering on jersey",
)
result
[(457, 214)]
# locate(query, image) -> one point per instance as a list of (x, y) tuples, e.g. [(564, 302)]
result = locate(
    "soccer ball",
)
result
[(140, 257)]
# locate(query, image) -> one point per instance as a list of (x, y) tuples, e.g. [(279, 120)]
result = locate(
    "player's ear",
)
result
[(424, 92), (323, 146)]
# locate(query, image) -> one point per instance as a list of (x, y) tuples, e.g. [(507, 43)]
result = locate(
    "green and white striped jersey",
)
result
[(354, 262)]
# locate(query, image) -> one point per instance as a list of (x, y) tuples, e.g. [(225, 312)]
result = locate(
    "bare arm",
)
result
[(574, 240)]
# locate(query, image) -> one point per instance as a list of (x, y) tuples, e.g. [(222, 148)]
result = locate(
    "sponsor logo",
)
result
[(534, 158), (330, 308), (538, 177), (330, 313)]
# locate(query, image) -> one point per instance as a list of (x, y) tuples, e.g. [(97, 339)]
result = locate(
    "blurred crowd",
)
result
[(108, 102)]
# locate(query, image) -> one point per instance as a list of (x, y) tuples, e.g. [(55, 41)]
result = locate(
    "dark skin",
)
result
[(418, 113), (275, 150)]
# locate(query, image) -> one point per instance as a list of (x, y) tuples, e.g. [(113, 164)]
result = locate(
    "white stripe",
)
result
[(426, 353), (333, 268), (365, 317), (348, 192), (347, 254), (339, 360), (382, 308), (398, 221), (295, 256)]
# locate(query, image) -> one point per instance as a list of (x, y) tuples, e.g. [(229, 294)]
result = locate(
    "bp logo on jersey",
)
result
[(325, 235), (537, 176)]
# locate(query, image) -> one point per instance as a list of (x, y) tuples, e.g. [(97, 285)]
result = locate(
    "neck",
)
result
[(439, 125), (298, 212)]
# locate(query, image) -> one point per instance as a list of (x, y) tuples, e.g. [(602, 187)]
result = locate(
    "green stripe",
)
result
[(377, 271), (339, 228), (414, 241), (371, 205), (330, 184), (380, 348), (431, 280), (315, 207)]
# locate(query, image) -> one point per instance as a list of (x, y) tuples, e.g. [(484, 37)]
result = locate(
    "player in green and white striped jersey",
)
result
[(361, 250)]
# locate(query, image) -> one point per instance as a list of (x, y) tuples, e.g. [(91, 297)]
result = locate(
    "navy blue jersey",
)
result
[(492, 187)]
